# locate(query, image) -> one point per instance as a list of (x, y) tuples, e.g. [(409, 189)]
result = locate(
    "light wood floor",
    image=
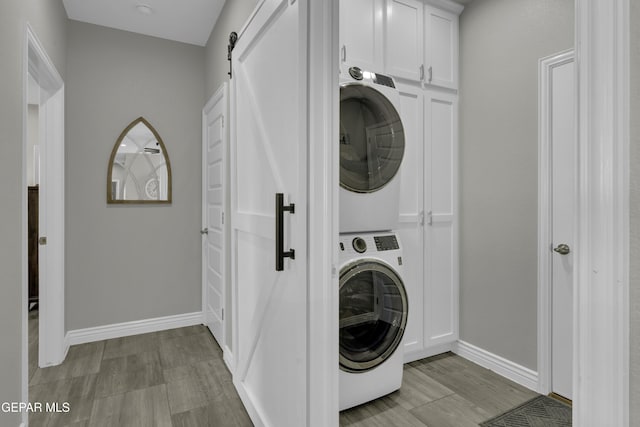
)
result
[(441, 391), (173, 378), (177, 378)]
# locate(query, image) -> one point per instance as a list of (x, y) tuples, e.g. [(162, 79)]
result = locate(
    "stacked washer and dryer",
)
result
[(373, 301)]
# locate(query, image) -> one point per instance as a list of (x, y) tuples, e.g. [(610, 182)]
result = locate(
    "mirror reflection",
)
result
[(139, 168)]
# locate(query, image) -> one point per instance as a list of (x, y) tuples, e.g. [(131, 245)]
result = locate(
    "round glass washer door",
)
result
[(371, 139), (373, 314)]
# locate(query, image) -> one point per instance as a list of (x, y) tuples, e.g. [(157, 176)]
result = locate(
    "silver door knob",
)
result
[(562, 249), (204, 231)]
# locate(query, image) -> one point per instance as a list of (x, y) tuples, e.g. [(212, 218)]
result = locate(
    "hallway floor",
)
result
[(173, 378), (177, 378)]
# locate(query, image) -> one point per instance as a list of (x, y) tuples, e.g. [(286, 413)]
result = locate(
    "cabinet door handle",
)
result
[(422, 72), (430, 73), (280, 253), (344, 53)]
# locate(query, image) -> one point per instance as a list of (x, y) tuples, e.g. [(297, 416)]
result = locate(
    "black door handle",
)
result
[(280, 253)]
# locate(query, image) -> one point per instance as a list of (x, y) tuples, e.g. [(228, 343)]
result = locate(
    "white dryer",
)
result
[(371, 149), (373, 315)]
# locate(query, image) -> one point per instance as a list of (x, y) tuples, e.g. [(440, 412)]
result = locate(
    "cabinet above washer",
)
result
[(412, 40)]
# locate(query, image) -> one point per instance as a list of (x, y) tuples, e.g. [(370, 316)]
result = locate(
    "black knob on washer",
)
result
[(356, 73), (359, 245)]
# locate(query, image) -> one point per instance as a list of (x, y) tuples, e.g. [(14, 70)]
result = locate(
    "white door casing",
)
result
[(557, 221), (51, 210), (268, 156), (52, 345), (214, 196), (601, 293)]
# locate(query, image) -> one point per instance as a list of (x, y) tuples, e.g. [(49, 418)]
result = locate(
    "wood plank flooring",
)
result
[(173, 378), (441, 391), (177, 378)]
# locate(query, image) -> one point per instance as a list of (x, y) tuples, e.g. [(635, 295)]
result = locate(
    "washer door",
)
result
[(373, 314), (371, 139)]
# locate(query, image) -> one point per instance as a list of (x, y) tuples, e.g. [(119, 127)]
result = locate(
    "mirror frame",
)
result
[(110, 199)]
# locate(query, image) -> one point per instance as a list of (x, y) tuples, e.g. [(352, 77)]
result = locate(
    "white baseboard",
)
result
[(99, 333), (227, 356), (508, 369), (427, 352)]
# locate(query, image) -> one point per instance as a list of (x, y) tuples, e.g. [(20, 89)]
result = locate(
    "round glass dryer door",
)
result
[(371, 139), (373, 314)]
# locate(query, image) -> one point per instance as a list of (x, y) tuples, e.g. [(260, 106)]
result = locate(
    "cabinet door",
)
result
[(404, 39), (411, 214), (441, 48), (441, 228), (361, 34)]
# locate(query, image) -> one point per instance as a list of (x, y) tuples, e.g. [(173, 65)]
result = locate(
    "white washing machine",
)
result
[(371, 149), (373, 315)]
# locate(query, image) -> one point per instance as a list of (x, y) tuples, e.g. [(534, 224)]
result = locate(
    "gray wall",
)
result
[(233, 16), (48, 19), (500, 44), (132, 262), (634, 276)]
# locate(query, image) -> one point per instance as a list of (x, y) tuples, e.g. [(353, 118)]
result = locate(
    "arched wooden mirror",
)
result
[(139, 167)]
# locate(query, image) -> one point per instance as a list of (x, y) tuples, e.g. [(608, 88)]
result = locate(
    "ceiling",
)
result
[(187, 21)]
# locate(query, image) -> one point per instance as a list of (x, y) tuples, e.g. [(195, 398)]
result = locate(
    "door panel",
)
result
[(361, 34), (441, 48), (563, 152), (441, 325), (409, 226), (214, 154), (269, 130), (404, 47)]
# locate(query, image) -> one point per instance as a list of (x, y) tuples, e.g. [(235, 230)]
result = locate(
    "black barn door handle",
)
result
[(280, 253)]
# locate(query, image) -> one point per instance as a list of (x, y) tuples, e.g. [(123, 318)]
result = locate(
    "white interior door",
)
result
[(563, 160), (213, 211), (269, 134)]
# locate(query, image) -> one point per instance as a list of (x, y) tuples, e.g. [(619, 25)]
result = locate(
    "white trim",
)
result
[(36, 62), (323, 183), (601, 285), (136, 327), (517, 373), (446, 5), (545, 67)]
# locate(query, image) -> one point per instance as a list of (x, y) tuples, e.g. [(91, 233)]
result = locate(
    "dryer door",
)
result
[(373, 314), (371, 139)]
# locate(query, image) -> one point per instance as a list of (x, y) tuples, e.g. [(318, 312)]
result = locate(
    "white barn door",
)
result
[(214, 184), (268, 144)]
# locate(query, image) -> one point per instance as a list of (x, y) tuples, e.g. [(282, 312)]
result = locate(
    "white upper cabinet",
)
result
[(404, 39), (361, 34), (441, 48), (412, 40)]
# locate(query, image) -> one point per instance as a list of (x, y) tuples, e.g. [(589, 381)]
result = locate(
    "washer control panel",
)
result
[(361, 243), (386, 243)]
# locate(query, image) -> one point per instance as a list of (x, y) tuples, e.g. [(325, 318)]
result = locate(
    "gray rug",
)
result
[(541, 411)]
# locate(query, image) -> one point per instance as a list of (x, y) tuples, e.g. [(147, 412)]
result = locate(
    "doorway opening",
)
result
[(43, 141)]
